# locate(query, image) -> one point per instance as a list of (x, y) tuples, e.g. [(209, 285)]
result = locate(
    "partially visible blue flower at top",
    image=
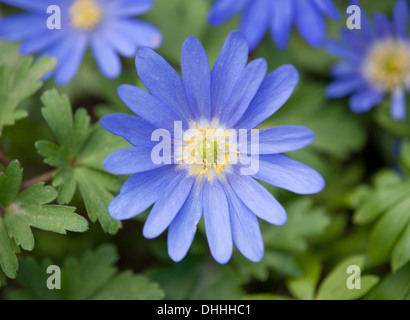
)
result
[(278, 16), (375, 62), (206, 181), (106, 26)]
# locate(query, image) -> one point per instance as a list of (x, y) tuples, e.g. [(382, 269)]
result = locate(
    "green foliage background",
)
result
[(52, 134)]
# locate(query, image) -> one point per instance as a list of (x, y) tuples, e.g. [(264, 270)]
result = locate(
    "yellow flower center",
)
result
[(388, 64), (207, 151), (85, 14)]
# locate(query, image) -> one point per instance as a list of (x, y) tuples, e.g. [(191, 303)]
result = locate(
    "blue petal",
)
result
[(138, 32), (39, 6), (163, 82), (217, 221), (401, 17), (283, 139), (274, 91), (259, 200), (343, 69), (310, 23), (365, 99), (182, 229), (107, 59), (40, 41), (255, 22), (167, 207), (245, 90), (132, 160), (283, 12), (18, 26), (344, 86), (383, 25), (398, 105), (223, 10), (120, 8), (70, 62), (337, 49), (289, 174), (131, 128), (246, 233), (140, 191), (147, 107), (327, 7), (227, 70), (196, 76)]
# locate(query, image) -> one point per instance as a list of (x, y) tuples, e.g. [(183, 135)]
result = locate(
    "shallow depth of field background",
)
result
[(350, 150)]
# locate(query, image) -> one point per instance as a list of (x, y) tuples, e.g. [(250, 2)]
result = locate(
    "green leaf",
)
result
[(16, 87), (30, 210), (8, 250), (401, 252), (304, 287), (79, 155), (395, 286), (334, 286), (91, 277), (10, 183)]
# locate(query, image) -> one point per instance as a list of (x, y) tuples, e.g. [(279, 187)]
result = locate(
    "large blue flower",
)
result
[(106, 26), (278, 16), (235, 95), (375, 62)]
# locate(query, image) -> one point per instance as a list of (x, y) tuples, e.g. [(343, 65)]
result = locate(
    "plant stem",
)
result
[(41, 178)]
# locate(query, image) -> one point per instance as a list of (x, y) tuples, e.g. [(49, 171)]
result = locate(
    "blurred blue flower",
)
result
[(375, 62), (106, 26), (233, 96), (278, 16)]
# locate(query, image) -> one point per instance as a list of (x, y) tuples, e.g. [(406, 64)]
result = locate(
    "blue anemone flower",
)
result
[(278, 16), (106, 26), (375, 63), (208, 106)]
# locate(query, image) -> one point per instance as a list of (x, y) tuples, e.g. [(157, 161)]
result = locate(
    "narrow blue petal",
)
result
[(283, 12), (147, 107), (343, 69), (138, 32), (310, 23), (217, 221), (327, 7), (40, 41), (365, 100), (255, 22), (68, 66), (222, 10), (245, 90), (344, 86), (163, 82), (283, 139), (167, 207), (289, 174), (340, 50), (401, 17), (131, 128), (227, 70), (274, 91), (383, 25), (132, 160), (182, 229), (140, 191), (398, 105), (246, 233), (15, 27), (122, 8), (107, 59), (39, 6), (259, 200), (196, 76)]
